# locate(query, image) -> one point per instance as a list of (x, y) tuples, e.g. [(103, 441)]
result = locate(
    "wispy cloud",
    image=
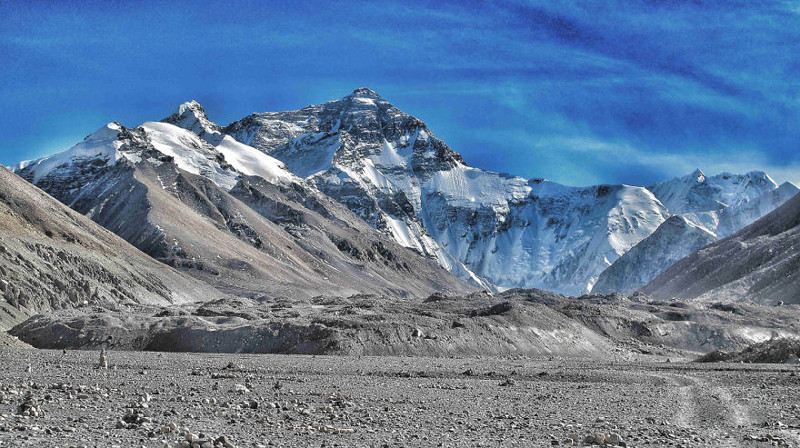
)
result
[(594, 91)]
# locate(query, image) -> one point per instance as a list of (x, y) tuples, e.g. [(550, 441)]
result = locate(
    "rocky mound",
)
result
[(773, 351), (516, 322)]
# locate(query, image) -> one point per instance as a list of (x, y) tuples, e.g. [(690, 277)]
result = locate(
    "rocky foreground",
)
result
[(58, 399)]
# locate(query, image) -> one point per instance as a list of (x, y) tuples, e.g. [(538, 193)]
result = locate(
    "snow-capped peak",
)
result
[(101, 144), (191, 106), (698, 175), (190, 127), (191, 116)]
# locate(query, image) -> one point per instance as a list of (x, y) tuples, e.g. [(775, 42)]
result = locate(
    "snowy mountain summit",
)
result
[(228, 213), (192, 116)]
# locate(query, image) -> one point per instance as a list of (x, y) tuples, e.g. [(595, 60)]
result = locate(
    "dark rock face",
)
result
[(759, 263)]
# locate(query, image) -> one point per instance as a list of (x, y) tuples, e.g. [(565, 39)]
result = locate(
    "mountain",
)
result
[(704, 209), (53, 258), (760, 263), (494, 229), (228, 214), (673, 240), (363, 162)]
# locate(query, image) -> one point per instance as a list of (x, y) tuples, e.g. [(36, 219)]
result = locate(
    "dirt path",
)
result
[(707, 408)]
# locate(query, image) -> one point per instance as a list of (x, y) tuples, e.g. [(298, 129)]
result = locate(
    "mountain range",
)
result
[(354, 195)]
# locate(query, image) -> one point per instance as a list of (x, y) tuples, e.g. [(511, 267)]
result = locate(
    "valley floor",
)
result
[(278, 400)]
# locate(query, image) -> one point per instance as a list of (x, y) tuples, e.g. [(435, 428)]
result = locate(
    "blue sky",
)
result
[(580, 93)]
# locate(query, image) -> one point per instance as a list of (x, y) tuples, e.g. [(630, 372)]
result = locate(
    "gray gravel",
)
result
[(151, 399)]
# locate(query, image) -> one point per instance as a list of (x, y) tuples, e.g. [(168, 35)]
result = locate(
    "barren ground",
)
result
[(391, 401)]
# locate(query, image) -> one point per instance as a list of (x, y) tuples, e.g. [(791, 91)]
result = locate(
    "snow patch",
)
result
[(253, 162), (190, 152)]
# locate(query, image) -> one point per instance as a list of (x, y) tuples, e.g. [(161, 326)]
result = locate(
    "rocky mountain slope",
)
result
[(53, 258), (228, 214), (673, 240), (760, 263)]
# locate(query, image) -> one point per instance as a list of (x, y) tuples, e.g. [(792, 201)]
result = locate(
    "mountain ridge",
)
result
[(52, 258), (758, 263)]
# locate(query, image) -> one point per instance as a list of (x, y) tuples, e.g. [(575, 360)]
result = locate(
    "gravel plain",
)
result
[(63, 399)]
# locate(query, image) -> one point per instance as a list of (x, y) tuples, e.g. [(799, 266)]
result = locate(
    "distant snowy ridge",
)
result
[(223, 164), (705, 208), (102, 144), (756, 264), (724, 203)]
